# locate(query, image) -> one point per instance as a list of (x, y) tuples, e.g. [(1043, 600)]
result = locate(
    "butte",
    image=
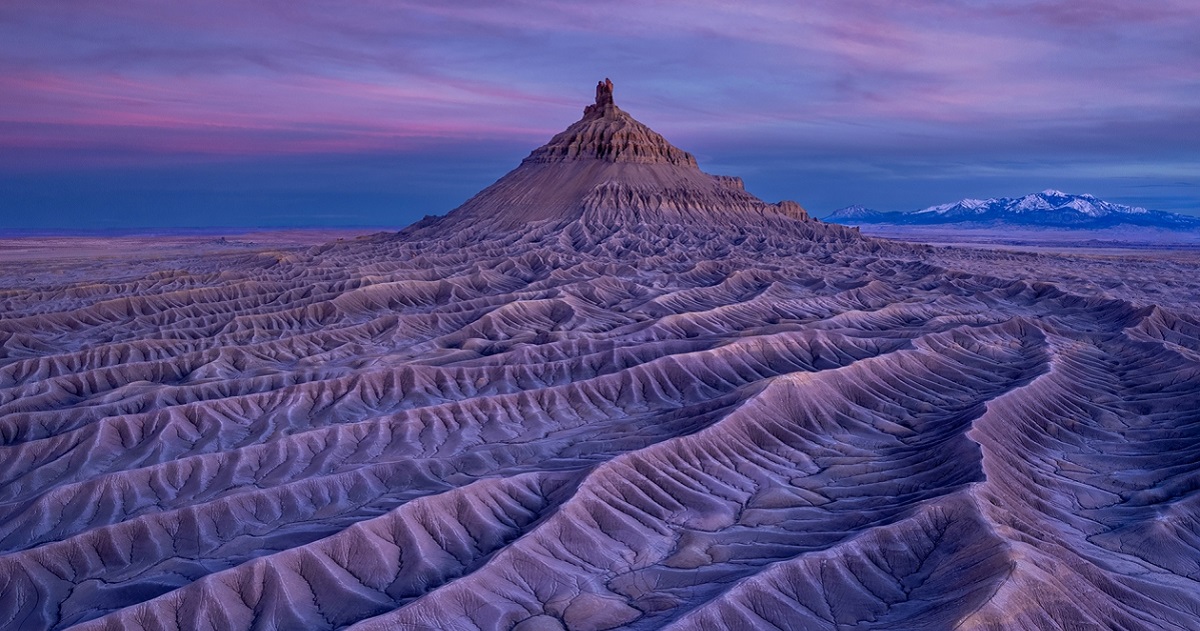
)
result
[(610, 391)]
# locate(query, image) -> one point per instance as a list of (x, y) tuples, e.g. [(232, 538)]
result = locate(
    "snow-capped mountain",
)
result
[(1049, 208), (855, 212)]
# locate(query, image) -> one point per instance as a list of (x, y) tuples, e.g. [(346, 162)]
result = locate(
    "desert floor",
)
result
[(318, 430)]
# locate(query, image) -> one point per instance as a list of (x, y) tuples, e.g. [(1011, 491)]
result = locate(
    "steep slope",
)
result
[(615, 417), (606, 169)]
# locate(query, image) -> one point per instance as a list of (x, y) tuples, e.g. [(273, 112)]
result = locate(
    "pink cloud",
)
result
[(310, 77), (227, 115)]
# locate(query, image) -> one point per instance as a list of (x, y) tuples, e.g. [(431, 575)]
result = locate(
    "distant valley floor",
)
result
[(1121, 239)]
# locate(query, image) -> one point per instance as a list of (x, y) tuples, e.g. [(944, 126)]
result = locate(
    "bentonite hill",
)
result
[(609, 391)]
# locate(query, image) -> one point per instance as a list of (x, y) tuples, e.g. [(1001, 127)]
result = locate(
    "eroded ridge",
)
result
[(592, 427), (609, 391)]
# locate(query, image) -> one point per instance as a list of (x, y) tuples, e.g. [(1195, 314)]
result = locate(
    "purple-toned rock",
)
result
[(609, 392)]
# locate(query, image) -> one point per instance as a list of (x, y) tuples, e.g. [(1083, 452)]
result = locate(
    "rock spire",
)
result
[(608, 168), (607, 133), (604, 99)]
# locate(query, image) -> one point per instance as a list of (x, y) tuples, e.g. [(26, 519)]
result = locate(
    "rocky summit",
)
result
[(608, 169)]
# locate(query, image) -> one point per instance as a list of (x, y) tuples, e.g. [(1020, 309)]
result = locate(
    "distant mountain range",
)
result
[(1049, 208)]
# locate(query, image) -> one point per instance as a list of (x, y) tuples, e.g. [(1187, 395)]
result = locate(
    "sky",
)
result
[(129, 114)]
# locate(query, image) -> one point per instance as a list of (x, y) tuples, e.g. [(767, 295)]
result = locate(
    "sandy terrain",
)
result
[(645, 410)]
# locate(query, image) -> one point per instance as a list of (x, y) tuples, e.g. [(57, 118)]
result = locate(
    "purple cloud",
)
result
[(102, 83)]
